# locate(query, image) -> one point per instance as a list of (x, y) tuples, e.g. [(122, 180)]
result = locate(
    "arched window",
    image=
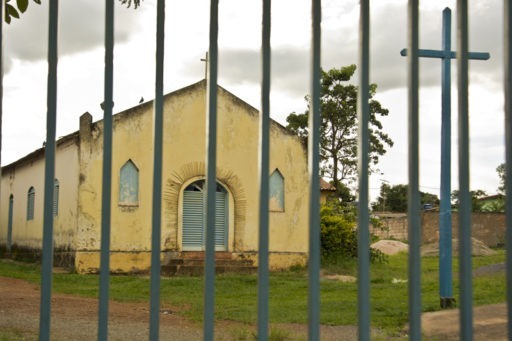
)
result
[(56, 188), (276, 191), (9, 222), (129, 185), (31, 198)]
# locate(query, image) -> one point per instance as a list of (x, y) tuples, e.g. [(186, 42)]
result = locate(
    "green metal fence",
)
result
[(414, 228)]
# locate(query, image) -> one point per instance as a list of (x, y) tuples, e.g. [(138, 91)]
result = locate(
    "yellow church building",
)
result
[(77, 189)]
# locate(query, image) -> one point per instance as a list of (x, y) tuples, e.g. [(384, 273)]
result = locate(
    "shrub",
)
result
[(338, 234)]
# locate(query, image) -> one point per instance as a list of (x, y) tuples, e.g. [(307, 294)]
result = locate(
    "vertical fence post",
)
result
[(465, 274), (158, 124), (413, 203), (211, 177), (507, 59), (106, 187), (49, 173), (363, 240), (1, 87), (445, 210), (314, 180), (264, 133)]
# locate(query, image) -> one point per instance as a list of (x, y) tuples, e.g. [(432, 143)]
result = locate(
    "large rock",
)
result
[(390, 247)]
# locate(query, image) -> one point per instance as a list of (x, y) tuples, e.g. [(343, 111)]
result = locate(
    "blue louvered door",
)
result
[(194, 208), (193, 221), (221, 222)]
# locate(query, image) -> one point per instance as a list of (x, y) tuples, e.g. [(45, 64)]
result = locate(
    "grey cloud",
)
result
[(81, 28), (389, 37), (239, 65), (290, 68), (486, 35), (290, 64)]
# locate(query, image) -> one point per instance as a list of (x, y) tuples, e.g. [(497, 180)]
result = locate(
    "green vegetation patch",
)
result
[(236, 295)]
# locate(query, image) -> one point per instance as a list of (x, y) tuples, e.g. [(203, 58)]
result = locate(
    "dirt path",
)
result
[(489, 323), (75, 318)]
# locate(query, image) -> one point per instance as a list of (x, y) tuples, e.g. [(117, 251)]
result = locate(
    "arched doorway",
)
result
[(194, 217)]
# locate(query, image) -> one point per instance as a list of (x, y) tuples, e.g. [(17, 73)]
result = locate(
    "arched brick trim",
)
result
[(171, 193)]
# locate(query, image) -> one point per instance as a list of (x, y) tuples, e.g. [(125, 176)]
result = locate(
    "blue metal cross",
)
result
[(445, 214)]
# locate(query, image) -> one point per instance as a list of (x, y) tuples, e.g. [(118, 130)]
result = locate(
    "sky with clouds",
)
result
[(81, 67)]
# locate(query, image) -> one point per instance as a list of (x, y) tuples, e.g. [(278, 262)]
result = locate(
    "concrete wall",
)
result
[(184, 162), (391, 225), (487, 227)]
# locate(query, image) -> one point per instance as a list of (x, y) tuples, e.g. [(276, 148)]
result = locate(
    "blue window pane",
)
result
[(56, 187), (31, 203), (276, 192), (129, 184)]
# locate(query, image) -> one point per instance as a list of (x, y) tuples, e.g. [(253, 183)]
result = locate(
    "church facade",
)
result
[(78, 187)]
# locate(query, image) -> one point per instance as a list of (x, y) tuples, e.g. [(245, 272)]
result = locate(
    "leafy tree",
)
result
[(429, 198), (501, 174), (128, 3), (298, 123), (394, 198), (14, 11), (339, 125), (476, 204), (494, 206)]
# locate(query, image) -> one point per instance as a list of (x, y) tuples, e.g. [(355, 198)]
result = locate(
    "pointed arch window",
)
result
[(56, 189), (31, 198), (276, 191), (129, 185), (9, 222)]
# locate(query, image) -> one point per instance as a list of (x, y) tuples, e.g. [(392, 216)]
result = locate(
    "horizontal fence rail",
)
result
[(314, 302)]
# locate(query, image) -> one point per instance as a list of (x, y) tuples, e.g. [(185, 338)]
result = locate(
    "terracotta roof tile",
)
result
[(325, 186)]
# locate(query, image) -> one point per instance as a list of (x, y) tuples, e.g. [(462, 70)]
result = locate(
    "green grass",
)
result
[(236, 295), (17, 335)]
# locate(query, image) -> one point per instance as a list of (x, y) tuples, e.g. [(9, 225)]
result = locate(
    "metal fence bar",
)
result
[(2, 96), (49, 173), (314, 175), (158, 124), (211, 177), (413, 202), (106, 187), (363, 230), (445, 209), (264, 131), (507, 48), (465, 272)]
